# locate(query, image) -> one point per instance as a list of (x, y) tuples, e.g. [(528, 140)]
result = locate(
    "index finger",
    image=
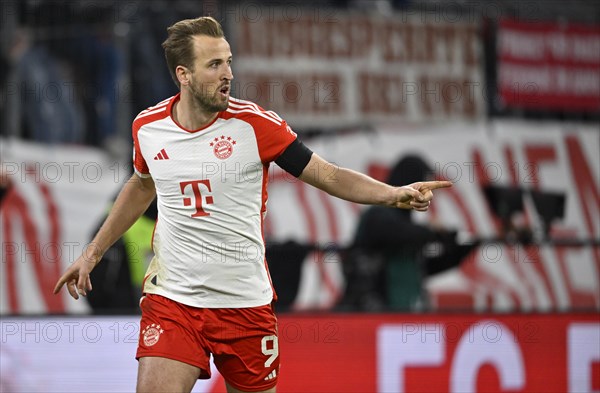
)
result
[(433, 185), (59, 284)]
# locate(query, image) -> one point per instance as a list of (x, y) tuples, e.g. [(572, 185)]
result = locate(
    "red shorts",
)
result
[(243, 341)]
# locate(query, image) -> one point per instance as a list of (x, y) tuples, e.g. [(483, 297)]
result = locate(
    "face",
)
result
[(210, 81)]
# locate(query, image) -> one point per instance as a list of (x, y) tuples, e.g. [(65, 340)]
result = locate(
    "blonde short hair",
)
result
[(178, 45)]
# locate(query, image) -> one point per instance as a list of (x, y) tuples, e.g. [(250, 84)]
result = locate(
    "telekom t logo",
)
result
[(198, 195)]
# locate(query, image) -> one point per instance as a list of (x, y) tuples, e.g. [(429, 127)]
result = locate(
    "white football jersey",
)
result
[(211, 187)]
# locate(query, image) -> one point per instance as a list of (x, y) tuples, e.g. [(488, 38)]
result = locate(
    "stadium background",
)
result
[(501, 97)]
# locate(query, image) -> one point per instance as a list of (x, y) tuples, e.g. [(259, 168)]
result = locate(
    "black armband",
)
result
[(294, 158)]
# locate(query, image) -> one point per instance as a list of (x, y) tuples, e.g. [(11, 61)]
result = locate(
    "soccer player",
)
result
[(205, 155)]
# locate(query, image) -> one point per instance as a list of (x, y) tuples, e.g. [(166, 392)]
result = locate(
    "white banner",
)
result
[(546, 157), (59, 195), (333, 68), (73, 355)]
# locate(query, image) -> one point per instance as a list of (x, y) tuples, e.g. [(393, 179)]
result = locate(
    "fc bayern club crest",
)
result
[(151, 334), (222, 147)]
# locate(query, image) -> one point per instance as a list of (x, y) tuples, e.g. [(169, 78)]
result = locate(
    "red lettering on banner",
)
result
[(587, 189), (512, 164), (469, 266), (471, 269), (53, 268), (536, 155), (437, 76), (586, 183), (396, 42), (332, 220), (311, 223), (515, 180), (316, 93), (47, 270), (577, 298), (378, 171), (313, 238), (454, 195), (11, 277), (358, 37), (382, 94)]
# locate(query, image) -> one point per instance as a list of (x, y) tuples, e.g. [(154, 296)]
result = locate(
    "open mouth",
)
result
[(225, 90)]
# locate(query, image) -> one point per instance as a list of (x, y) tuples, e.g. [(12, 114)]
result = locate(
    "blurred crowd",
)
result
[(78, 72)]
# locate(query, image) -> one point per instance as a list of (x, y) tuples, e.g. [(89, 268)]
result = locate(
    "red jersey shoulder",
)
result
[(151, 114), (273, 135), (253, 114)]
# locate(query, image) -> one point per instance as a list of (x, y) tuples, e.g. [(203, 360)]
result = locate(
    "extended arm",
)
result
[(356, 187), (133, 200)]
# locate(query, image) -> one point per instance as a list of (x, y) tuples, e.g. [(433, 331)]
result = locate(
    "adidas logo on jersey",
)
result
[(162, 155), (271, 375)]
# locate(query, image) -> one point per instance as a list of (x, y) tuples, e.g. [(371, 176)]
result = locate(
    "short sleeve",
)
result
[(139, 163), (273, 138)]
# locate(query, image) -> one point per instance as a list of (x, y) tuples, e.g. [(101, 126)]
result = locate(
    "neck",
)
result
[(189, 114)]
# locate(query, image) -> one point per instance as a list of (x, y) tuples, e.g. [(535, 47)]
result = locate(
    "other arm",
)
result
[(133, 200), (356, 187)]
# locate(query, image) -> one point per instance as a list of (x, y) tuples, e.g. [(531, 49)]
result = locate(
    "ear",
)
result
[(182, 75)]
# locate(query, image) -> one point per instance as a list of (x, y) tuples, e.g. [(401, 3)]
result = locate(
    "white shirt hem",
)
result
[(210, 304)]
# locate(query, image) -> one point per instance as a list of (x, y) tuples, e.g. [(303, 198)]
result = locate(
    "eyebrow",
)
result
[(218, 60)]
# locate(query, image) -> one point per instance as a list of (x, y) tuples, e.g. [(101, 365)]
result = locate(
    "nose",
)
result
[(228, 75)]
